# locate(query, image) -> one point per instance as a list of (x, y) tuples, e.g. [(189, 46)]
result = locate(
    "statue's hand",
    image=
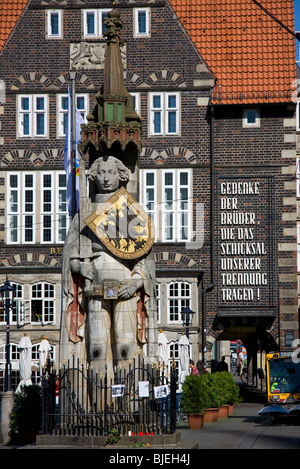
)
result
[(127, 290), (75, 266), (83, 268), (87, 270)]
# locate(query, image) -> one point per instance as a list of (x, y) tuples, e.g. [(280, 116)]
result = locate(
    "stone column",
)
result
[(224, 350), (7, 405)]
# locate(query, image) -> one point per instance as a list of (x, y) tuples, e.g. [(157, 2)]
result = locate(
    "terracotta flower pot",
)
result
[(230, 410), (211, 415), (196, 421), (223, 411)]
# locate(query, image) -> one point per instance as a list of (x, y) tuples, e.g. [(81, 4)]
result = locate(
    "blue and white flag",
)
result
[(68, 157), (79, 120), (68, 154)]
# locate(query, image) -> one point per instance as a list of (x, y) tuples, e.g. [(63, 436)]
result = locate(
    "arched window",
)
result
[(175, 355), (14, 360)]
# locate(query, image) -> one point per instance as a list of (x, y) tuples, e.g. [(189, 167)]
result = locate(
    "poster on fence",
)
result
[(161, 391), (118, 390), (143, 388)]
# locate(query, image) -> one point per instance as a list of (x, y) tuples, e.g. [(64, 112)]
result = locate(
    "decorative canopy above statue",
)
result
[(114, 118)]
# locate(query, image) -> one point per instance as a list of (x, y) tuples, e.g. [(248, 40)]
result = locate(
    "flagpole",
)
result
[(73, 161)]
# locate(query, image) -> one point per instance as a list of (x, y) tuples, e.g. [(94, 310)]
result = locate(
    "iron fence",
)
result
[(137, 398)]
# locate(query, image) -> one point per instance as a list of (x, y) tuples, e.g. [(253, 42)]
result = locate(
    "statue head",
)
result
[(108, 173)]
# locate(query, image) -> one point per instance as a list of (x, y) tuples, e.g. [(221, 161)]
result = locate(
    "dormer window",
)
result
[(251, 117)]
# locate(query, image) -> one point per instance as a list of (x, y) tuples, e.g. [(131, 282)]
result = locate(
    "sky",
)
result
[(297, 15)]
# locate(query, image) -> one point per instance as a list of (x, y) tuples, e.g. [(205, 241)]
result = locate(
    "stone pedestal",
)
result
[(7, 405)]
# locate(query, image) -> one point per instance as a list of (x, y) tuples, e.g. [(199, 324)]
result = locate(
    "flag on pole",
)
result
[(79, 120), (68, 157), (68, 154)]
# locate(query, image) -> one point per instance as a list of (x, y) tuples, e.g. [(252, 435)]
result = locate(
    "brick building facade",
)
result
[(198, 134)]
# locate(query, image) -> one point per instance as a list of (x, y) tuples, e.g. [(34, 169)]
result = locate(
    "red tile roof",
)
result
[(10, 12), (250, 54)]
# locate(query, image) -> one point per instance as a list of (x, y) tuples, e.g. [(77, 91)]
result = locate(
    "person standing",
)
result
[(222, 365), (193, 369), (240, 361)]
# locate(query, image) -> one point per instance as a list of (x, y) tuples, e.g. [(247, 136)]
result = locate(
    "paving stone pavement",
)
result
[(245, 429)]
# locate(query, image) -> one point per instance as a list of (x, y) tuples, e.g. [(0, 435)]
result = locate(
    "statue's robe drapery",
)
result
[(75, 303)]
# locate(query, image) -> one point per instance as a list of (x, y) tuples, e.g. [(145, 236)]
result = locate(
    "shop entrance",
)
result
[(253, 340)]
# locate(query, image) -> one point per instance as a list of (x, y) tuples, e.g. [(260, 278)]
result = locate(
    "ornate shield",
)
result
[(123, 226)]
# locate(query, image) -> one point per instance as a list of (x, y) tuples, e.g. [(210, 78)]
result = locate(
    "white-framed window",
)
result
[(26, 192), (54, 23), (298, 116), (36, 353), (42, 303), (15, 362), (47, 207), (137, 102), (174, 354), (176, 205), (13, 208), (141, 22), (21, 208), (251, 117), (54, 211), (179, 297), (62, 216), (14, 359), (13, 352), (28, 208), (32, 112), (93, 22), (15, 314), (166, 195), (158, 302), (82, 104), (164, 113), (149, 194)]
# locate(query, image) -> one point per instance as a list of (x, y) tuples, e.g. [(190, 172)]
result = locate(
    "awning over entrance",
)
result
[(242, 325), (250, 321)]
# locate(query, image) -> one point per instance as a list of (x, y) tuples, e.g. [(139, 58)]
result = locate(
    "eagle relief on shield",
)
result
[(123, 226)]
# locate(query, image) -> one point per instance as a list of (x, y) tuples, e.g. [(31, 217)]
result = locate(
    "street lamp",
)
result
[(187, 319), (7, 292)]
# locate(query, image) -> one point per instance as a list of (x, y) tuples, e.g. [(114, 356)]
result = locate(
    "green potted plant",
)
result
[(232, 391), (192, 402), (211, 397), (228, 390), (26, 415), (220, 379)]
